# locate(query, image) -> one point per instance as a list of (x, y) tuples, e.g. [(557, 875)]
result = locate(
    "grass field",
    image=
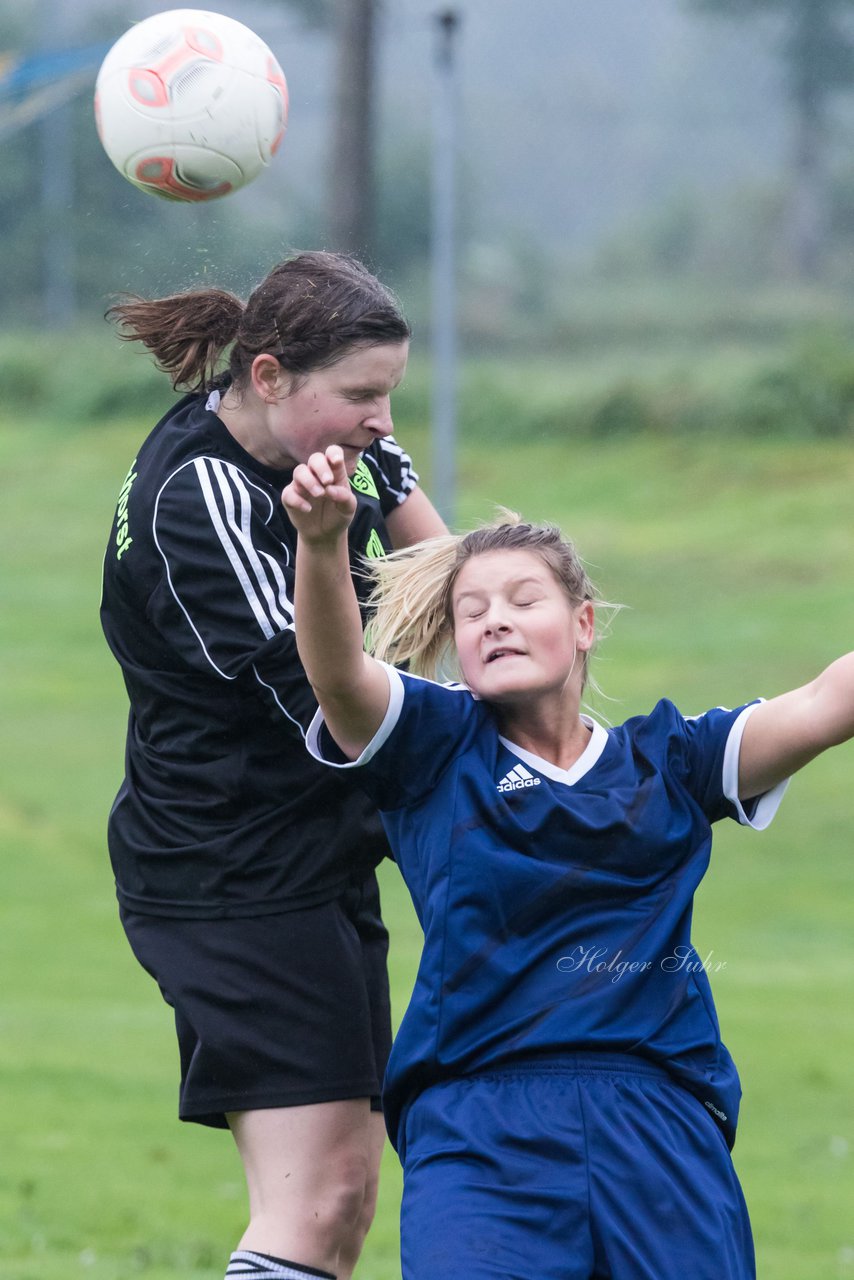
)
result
[(736, 565)]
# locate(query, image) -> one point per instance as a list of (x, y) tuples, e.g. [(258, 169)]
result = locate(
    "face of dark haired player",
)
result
[(347, 403)]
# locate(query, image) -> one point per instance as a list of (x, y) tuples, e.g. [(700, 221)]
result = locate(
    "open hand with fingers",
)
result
[(319, 500)]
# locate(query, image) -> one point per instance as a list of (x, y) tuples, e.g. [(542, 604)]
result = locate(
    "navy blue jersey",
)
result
[(556, 905), (222, 812)]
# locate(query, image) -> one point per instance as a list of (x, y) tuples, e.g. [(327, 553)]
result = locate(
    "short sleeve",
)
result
[(707, 758), (760, 810), (227, 585), (392, 471), (224, 601), (426, 728)]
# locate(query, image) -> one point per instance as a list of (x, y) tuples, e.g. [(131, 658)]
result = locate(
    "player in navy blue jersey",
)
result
[(244, 870), (558, 1092)]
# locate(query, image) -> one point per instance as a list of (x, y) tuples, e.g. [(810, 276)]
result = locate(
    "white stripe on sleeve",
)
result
[(408, 476), (265, 589), (239, 539)]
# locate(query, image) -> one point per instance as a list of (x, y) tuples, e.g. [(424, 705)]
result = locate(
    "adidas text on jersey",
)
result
[(517, 779)]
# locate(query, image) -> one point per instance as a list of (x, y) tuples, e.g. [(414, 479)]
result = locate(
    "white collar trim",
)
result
[(583, 765)]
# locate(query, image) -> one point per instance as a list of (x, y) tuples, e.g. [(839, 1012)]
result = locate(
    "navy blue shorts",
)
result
[(274, 1011), (587, 1167)]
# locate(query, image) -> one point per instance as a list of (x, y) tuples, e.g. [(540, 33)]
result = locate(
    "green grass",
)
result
[(735, 563)]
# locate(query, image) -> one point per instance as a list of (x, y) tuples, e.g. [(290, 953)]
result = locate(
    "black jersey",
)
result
[(222, 810)]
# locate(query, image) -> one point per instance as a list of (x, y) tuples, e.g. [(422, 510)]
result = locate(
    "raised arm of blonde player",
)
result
[(785, 733), (350, 686)]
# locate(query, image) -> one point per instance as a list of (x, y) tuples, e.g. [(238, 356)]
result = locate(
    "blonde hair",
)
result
[(412, 623)]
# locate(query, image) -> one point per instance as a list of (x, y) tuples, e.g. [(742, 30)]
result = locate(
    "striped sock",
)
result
[(262, 1266)]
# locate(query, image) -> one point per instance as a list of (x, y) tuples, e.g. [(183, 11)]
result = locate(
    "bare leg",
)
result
[(352, 1247), (311, 1173)]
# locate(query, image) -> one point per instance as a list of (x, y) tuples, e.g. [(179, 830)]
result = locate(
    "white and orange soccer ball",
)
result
[(190, 105)]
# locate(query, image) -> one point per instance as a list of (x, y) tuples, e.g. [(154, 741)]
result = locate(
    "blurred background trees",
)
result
[(595, 139), (816, 46), (670, 182)]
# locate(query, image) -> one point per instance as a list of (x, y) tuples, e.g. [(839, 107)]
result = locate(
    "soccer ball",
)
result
[(190, 105)]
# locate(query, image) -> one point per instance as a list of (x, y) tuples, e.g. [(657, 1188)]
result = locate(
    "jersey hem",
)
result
[(213, 1111), (240, 910)]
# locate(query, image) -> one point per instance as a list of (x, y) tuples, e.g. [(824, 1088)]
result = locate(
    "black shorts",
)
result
[(274, 1011)]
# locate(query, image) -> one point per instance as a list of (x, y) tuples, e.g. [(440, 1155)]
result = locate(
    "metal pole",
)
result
[(58, 205), (57, 189), (443, 273), (352, 181)]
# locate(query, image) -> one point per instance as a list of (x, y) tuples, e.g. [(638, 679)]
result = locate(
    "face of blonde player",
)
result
[(518, 637), (347, 404)]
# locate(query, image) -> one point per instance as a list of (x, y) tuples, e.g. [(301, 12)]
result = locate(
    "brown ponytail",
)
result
[(187, 333), (309, 312)]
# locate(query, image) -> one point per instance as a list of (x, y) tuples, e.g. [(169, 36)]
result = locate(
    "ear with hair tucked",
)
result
[(269, 380)]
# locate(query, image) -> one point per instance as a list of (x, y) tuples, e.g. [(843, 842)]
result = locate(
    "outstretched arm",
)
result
[(785, 733), (351, 687)]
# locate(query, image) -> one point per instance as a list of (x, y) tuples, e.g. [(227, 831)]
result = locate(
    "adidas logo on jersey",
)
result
[(517, 779)]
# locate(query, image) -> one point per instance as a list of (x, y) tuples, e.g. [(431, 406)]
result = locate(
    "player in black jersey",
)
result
[(244, 870)]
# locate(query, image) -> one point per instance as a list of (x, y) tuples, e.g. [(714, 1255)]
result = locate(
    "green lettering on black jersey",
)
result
[(123, 538), (375, 549), (362, 480)]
